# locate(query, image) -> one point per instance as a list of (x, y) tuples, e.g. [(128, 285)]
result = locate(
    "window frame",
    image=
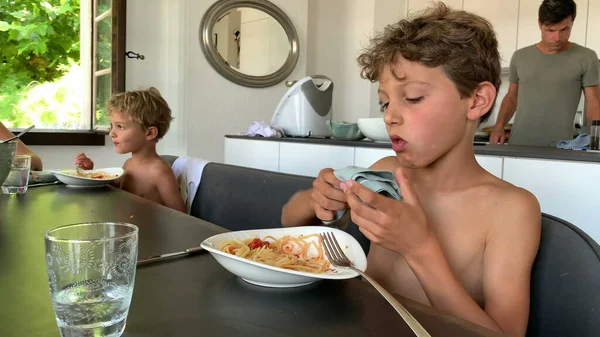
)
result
[(93, 136)]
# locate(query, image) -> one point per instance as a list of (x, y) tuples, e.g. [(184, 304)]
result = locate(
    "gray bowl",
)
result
[(345, 131), (7, 155)]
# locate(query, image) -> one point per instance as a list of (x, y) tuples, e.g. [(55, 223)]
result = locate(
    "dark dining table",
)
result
[(188, 296)]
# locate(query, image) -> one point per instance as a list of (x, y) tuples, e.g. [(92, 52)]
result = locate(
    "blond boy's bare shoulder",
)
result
[(159, 168)]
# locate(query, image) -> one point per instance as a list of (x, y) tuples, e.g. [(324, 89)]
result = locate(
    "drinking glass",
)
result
[(18, 177), (91, 272)]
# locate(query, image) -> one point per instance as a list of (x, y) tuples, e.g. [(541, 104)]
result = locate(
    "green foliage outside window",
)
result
[(40, 73)]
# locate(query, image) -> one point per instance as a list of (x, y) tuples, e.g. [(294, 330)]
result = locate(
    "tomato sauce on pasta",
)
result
[(289, 252)]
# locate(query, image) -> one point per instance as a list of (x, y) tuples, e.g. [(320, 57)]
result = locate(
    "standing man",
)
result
[(546, 80)]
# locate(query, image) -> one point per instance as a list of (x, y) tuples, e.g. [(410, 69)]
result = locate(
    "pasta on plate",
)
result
[(298, 253), (94, 175)]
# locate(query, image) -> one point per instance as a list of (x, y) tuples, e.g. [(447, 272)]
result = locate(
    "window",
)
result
[(59, 62)]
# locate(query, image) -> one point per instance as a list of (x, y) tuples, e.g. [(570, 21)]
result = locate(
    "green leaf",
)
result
[(4, 26)]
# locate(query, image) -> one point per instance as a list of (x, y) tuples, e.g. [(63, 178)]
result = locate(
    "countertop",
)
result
[(517, 151)]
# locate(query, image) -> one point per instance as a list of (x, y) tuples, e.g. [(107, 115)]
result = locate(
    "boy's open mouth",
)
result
[(398, 144)]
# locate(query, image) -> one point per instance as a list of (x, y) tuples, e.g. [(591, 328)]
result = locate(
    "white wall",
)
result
[(338, 30), (62, 157), (214, 105)]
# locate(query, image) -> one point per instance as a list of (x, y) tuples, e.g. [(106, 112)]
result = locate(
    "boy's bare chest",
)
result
[(141, 184), (462, 238)]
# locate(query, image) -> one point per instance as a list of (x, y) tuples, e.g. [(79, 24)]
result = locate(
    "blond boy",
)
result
[(462, 240), (138, 119)]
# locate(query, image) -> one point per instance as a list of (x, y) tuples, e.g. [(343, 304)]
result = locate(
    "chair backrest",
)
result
[(169, 158), (241, 198), (565, 283)]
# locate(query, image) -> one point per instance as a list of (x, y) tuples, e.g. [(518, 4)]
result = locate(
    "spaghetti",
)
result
[(288, 252), (94, 175)]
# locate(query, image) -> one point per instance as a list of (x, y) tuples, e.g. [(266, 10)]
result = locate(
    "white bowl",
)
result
[(374, 129), (70, 177), (270, 276)]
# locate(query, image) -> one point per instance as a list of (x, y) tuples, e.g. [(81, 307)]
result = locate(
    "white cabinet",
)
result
[(593, 28), (260, 154), (504, 17), (309, 159), (529, 31), (367, 156), (492, 164), (418, 5), (568, 190)]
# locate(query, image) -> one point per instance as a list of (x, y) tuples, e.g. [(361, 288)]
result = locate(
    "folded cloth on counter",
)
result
[(581, 142), (188, 172), (378, 181), (264, 130)]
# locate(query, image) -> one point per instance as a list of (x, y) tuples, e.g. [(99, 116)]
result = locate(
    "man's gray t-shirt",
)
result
[(550, 87)]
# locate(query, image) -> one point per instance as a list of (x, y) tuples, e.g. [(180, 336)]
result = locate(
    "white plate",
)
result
[(67, 177), (271, 276)]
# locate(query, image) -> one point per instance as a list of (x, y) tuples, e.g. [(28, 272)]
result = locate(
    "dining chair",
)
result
[(241, 198), (565, 282)]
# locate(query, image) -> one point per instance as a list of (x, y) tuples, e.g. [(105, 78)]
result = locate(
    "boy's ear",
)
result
[(151, 133), (482, 100)]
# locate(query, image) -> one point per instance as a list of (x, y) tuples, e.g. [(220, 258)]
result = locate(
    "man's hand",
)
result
[(400, 226), (498, 136), (326, 196)]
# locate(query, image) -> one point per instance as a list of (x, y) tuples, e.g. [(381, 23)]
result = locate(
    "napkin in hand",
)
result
[(378, 181)]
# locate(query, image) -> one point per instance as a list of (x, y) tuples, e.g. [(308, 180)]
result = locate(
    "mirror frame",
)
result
[(217, 10)]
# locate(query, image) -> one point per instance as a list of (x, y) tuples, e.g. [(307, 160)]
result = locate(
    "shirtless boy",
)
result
[(462, 240), (138, 119)]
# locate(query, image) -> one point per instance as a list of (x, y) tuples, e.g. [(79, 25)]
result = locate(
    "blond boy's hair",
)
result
[(462, 43), (145, 107)]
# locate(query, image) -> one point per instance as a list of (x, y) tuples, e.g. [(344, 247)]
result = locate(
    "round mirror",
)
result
[(250, 42)]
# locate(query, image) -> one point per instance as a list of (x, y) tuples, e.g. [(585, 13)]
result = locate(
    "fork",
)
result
[(338, 258), (79, 171)]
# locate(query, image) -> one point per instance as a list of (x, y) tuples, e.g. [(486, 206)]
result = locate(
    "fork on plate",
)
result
[(338, 258)]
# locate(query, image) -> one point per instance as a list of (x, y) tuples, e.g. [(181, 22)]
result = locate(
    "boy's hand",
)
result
[(400, 226), (326, 196), (84, 162)]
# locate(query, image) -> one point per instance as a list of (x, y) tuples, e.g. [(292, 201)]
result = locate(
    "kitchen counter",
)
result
[(517, 151)]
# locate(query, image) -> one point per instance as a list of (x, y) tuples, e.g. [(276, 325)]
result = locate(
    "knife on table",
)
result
[(162, 257)]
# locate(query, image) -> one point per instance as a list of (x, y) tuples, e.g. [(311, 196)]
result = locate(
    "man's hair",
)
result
[(554, 11), (145, 107), (463, 44)]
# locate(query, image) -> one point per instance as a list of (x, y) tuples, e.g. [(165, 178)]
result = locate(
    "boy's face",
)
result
[(127, 136), (424, 113)]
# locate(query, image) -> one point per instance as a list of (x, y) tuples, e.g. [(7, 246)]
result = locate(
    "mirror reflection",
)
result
[(251, 41)]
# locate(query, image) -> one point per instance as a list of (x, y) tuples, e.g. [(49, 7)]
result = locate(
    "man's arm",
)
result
[(168, 190), (592, 103), (507, 111), (36, 161), (509, 105), (510, 250)]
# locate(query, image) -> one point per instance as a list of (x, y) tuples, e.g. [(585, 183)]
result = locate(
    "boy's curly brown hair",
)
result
[(145, 107), (462, 43)]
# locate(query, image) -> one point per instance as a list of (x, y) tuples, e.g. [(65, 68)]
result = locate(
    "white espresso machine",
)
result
[(305, 108)]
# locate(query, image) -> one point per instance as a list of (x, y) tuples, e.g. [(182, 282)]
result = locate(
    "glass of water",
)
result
[(18, 177), (91, 271)]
